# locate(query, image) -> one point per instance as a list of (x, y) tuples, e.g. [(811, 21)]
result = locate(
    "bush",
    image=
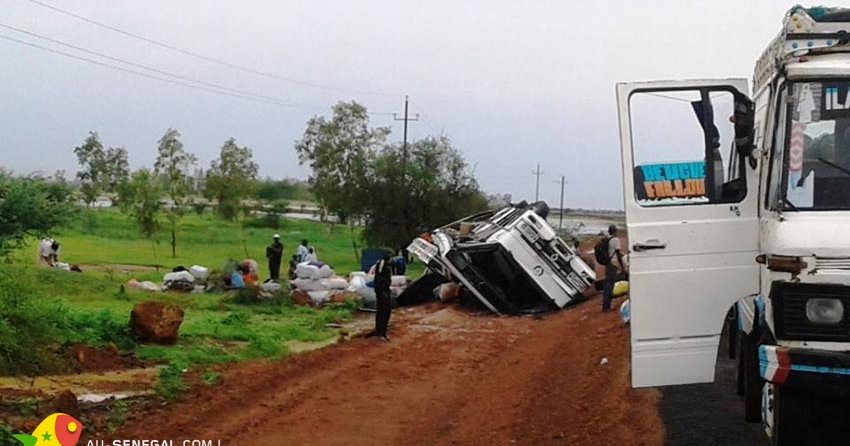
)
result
[(170, 385), (29, 326), (98, 330)]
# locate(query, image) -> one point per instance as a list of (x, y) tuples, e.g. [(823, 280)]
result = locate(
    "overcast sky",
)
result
[(512, 83)]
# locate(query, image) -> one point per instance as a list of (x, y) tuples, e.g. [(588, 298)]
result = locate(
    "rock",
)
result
[(300, 297), (156, 322), (65, 402)]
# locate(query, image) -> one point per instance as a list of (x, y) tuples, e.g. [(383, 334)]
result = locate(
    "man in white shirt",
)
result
[(48, 251), (302, 251)]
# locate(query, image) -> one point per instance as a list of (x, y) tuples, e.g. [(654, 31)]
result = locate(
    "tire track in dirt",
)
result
[(446, 377)]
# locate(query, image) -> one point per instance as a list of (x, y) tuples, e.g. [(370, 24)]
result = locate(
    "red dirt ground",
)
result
[(447, 377)]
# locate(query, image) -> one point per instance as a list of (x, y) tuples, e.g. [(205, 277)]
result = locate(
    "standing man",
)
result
[(274, 254), (606, 251), (383, 277), (302, 251)]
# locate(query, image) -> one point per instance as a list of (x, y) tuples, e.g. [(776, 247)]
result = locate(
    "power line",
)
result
[(146, 75), (208, 58), (163, 72)]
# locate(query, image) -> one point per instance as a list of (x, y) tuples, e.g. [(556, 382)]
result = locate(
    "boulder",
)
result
[(156, 322)]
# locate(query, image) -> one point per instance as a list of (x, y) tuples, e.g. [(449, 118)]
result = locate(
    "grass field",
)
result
[(216, 328)]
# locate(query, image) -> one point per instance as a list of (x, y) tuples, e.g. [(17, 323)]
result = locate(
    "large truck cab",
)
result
[(745, 206)]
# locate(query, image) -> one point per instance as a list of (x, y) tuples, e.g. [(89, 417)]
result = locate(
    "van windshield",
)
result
[(817, 159)]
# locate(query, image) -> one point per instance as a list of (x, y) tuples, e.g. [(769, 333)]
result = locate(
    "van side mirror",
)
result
[(744, 118)]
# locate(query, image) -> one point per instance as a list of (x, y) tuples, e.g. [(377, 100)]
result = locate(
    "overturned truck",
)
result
[(510, 260)]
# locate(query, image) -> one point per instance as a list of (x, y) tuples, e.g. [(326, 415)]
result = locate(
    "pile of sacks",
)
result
[(364, 286), (316, 284), (186, 280)]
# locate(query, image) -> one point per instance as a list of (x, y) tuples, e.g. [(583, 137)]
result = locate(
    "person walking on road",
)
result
[(383, 278), (274, 254), (606, 251)]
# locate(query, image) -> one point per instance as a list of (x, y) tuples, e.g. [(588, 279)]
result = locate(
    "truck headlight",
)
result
[(824, 311)]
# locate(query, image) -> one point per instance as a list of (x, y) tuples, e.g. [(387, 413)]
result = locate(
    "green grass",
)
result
[(109, 237), (216, 328)]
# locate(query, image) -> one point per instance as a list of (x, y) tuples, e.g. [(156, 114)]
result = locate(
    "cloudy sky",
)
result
[(512, 83)]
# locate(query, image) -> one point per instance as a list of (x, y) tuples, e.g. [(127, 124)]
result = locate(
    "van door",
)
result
[(691, 187)]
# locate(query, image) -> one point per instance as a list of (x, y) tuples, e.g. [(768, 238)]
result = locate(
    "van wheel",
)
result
[(790, 419), (752, 380), (732, 327), (739, 379)]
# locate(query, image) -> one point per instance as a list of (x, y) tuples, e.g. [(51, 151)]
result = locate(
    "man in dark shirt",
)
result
[(383, 278), (274, 254)]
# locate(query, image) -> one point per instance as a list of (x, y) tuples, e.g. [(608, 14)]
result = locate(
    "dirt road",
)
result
[(445, 378)]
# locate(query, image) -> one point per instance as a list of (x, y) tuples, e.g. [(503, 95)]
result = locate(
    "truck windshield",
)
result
[(817, 159)]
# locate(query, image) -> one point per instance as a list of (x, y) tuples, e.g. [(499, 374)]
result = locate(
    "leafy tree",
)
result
[(92, 158), (172, 168), (145, 193), (28, 207), (102, 170), (438, 187), (340, 151), (116, 169), (231, 178)]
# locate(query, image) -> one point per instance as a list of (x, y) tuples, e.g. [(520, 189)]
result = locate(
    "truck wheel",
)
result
[(790, 419), (739, 381), (752, 380), (732, 326)]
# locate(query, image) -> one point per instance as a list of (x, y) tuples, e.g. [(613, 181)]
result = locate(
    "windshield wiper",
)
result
[(835, 166)]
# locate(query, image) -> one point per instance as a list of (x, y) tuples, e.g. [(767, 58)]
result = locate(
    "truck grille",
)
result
[(789, 312), (832, 263)]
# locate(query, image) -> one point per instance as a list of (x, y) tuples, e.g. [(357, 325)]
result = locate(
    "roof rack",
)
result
[(804, 31)]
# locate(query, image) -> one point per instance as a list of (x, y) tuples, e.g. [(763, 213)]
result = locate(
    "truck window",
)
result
[(816, 164), (683, 148)]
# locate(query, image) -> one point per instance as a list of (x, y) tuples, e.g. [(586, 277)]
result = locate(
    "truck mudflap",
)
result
[(823, 372)]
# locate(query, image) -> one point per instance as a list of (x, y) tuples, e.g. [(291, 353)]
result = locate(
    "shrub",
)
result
[(28, 326), (170, 385)]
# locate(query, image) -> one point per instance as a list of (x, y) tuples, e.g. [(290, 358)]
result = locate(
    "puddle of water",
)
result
[(101, 397)]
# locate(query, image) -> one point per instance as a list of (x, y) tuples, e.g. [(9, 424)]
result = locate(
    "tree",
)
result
[(231, 178), (91, 156), (103, 170), (438, 187), (172, 168), (340, 152), (116, 169), (145, 194), (29, 207)]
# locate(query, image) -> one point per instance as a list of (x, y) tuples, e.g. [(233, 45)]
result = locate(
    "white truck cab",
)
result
[(745, 207)]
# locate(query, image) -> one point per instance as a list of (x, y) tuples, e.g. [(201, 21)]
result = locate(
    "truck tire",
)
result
[(790, 419), (739, 378), (753, 383), (732, 333)]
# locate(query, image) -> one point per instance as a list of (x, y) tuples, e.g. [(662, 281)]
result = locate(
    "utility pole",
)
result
[(406, 119), (561, 213), (406, 225), (537, 173)]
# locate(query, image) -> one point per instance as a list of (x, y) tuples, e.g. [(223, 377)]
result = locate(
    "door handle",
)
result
[(648, 245)]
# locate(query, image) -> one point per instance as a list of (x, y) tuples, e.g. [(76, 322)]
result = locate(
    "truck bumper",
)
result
[(825, 373)]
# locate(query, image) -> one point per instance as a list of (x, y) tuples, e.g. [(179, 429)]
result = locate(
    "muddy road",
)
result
[(446, 377)]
